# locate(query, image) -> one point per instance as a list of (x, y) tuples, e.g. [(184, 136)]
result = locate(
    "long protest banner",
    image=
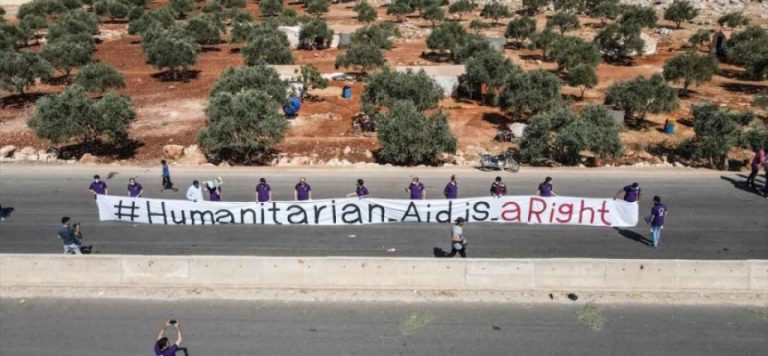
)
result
[(354, 211)]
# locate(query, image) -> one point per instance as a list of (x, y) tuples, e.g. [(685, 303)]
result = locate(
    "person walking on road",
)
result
[(416, 189), (302, 191), (656, 220), (361, 191), (765, 186), (263, 191), (167, 184), (451, 190), (757, 161), (98, 187), (135, 190), (195, 192), (162, 345), (458, 242), (632, 193), (498, 188), (546, 189)]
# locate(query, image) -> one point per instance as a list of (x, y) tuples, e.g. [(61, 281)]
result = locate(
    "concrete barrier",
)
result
[(384, 274)]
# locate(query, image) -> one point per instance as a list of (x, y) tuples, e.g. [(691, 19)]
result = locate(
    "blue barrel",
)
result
[(346, 92), (669, 128), (292, 107)]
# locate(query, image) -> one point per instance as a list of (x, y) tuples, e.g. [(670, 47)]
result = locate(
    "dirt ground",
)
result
[(172, 112)]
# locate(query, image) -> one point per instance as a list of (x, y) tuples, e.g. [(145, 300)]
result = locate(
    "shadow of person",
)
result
[(439, 252), (6, 212), (629, 234), (741, 185)]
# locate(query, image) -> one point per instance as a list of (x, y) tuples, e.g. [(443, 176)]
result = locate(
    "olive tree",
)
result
[(641, 96), (310, 78), (408, 137), (460, 7), (486, 70), (267, 46), (564, 21), (495, 11), (604, 10), (174, 49), (205, 29), (365, 56), (114, 9), (315, 35), (182, 7), (700, 37), (533, 6), (382, 89), (434, 14), (374, 34), (317, 7), (733, 20), (639, 16), (619, 41), (571, 51), (679, 11), (400, 8), (530, 93), (582, 76), (243, 125), (691, 69), (543, 40), (717, 130), (162, 17), (365, 12), (21, 70), (65, 55), (99, 77), (750, 49), (271, 7), (520, 29), (260, 77)]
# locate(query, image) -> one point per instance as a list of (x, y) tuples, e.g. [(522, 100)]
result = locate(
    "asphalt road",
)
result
[(126, 328), (710, 217)]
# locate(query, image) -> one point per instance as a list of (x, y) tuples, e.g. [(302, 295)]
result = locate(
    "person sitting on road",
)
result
[(162, 346), (498, 188), (632, 193)]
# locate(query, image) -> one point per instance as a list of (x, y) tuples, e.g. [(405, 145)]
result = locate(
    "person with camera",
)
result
[(458, 242), (70, 236), (162, 344)]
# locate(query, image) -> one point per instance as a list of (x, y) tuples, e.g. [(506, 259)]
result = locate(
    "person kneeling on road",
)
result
[(458, 242), (162, 346), (70, 237)]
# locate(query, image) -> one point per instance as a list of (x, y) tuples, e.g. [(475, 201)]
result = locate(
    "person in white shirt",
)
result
[(195, 192), (458, 242)]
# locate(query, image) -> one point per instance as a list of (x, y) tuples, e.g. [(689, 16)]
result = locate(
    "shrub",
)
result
[(258, 77), (366, 56), (640, 96), (679, 11), (733, 20), (315, 35), (242, 125), (691, 69), (384, 88), (181, 7), (408, 137), (98, 77), (21, 70), (530, 92)]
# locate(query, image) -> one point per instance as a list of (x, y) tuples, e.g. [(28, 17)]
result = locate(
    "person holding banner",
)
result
[(632, 193), (416, 190), (135, 190), (498, 188), (214, 189), (263, 191), (458, 242), (195, 192), (546, 189), (656, 220), (360, 190), (451, 190), (98, 187), (302, 191)]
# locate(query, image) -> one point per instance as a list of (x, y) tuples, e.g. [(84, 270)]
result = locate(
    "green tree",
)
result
[(232, 4), (679, 11), (543, 40), (365, 12), (571, 51), (604, 10), (641, 96), (564, 21), (66, 55), (258, 77), (400, 8), (70, 115), (530, 92), (573, 6), (461, 7), (408, 137), (486, 70), (99, 77), (434, 14), (317, 7), (533, 6), (582, 76), (72, 23), (447, 36), (49, 8), (495, 11), (374, 34), (21, 70), (691, 69), (114, 9), (750, 49), (13, 37), (135, 13), (619, 41), (366, 56), (182, 7), (174, 49), (162, 17), (733, 20), (310, 78), (205, 29), (315, 35), (478, 25), (382, 89), (472, 45), (242, 126), (520, 29), (270, 46), (638, 16), (271, 7), (717, 131), (700, 37)]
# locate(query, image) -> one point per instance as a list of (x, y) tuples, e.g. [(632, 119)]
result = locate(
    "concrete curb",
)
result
[(391, 279)]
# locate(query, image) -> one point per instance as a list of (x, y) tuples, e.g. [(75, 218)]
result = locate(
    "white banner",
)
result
[(354, 211)]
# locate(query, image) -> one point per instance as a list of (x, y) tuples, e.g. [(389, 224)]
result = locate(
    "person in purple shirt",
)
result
[(416, 189), (757, 161), (263, 191), (135, 190), (632, 193), (656, 220), (302, 191), (498, 188), (162, 346), (360, 190), (214, 193), (98, 187), (546, 189), (451, 190)]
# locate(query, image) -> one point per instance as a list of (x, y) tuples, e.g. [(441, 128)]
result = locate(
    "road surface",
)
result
[(127, 328), (710, 217)]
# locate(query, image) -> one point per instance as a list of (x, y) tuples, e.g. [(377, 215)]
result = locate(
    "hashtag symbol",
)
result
[(120, 210)]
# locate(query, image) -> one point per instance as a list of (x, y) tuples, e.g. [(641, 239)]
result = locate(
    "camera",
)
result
[(172, 322)]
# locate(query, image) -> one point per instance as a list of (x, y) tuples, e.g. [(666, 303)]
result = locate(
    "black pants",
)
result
[(462, 252), (167, 184), (752, 175)]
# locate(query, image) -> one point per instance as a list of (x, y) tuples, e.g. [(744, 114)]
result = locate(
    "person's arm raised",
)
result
[(179, 338)]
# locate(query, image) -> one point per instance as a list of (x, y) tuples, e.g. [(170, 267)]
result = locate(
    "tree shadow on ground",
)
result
[(532, 57), (177, 76), (743, 88), (235, 50), (741, 185), (207, 48), (732, 74), (498, 120), (19, 101), (123, 150), (631, 235)]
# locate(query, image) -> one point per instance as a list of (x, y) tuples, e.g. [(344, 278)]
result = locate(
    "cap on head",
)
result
[(65, 219)]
